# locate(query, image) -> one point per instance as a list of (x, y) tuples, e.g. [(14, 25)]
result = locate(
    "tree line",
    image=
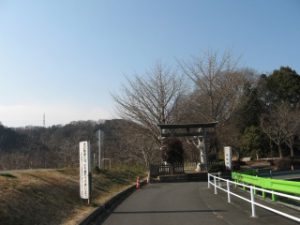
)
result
[(58, 146), (258, 115)]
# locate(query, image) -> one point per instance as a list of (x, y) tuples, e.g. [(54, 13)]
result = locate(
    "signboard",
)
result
[(228, 157), (85, 169)]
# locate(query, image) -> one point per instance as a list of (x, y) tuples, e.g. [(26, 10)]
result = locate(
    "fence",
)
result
[(286, 186), (156, 170), (216, 182), (178, 168), (190, 166)]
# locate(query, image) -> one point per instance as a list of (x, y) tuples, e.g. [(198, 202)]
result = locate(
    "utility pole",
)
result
[(99, 147), (100, 141)]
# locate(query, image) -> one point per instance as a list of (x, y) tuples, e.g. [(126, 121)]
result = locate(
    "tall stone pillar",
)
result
[(202, 151)]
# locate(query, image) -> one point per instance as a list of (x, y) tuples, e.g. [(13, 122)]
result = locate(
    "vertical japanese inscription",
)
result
[(84, 158), (228, 157)]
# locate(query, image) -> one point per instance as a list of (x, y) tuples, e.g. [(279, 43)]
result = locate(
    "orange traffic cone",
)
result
[(138, 183)]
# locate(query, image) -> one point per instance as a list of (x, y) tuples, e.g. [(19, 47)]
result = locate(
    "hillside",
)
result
[(57, 146), (52, 196)]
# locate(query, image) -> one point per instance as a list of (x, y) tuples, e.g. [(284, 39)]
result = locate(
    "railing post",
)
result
[(274, 197), (253, 214), (208, 180), (215, 186), (263, 195), (219, 181), (228, 191)]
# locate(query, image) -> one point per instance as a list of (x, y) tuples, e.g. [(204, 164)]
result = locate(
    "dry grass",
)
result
[(52, 196)]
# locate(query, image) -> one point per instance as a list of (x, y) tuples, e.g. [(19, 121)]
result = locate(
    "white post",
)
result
[(228, 191), (215, 186), (208, 180), (99, 148), (228, 157), (85, 170), (219, 181), (253, 214)]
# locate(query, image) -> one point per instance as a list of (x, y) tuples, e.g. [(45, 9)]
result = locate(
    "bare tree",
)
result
[(290, 123), (128, 142), (219, 84), (151, 98), (281, 125), (141, 146)]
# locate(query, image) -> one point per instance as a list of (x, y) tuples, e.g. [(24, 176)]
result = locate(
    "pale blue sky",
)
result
[(64, 58)]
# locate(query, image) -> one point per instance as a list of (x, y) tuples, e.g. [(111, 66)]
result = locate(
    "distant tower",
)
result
[(44, 120)]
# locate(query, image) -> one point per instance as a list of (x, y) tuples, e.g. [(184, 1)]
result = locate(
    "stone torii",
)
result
[(196, 130)]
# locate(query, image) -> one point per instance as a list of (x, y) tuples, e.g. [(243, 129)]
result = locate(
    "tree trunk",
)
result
[(280, 151), (291, 151), (292, 156)]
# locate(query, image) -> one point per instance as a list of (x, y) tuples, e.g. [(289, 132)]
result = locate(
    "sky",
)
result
[(64, 58)]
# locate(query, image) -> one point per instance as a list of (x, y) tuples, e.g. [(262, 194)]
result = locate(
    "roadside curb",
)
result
[(102, 212)]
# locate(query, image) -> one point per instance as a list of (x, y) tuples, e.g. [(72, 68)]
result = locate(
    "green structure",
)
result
[(290, 187)]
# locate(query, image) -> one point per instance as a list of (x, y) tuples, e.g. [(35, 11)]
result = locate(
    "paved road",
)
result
[(288, 177), (187, 204), (283, 175)]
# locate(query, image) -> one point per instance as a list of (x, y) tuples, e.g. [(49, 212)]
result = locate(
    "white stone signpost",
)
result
[(85, 170), (228, 157)]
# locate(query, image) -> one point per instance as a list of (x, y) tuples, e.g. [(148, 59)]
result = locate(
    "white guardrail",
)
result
[(216, 182)]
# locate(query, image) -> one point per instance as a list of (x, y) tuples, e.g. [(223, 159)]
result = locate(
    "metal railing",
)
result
[(216, 182), (291, 187)]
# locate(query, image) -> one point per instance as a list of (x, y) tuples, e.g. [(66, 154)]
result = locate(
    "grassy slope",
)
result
[(52, 196)]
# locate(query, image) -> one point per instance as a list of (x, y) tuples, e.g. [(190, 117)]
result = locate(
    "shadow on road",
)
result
[(168, 211)]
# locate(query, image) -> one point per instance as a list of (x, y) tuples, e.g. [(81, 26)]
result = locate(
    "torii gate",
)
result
[(196, 130)]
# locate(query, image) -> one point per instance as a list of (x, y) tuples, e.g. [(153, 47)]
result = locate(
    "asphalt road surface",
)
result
[(187, 204)]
